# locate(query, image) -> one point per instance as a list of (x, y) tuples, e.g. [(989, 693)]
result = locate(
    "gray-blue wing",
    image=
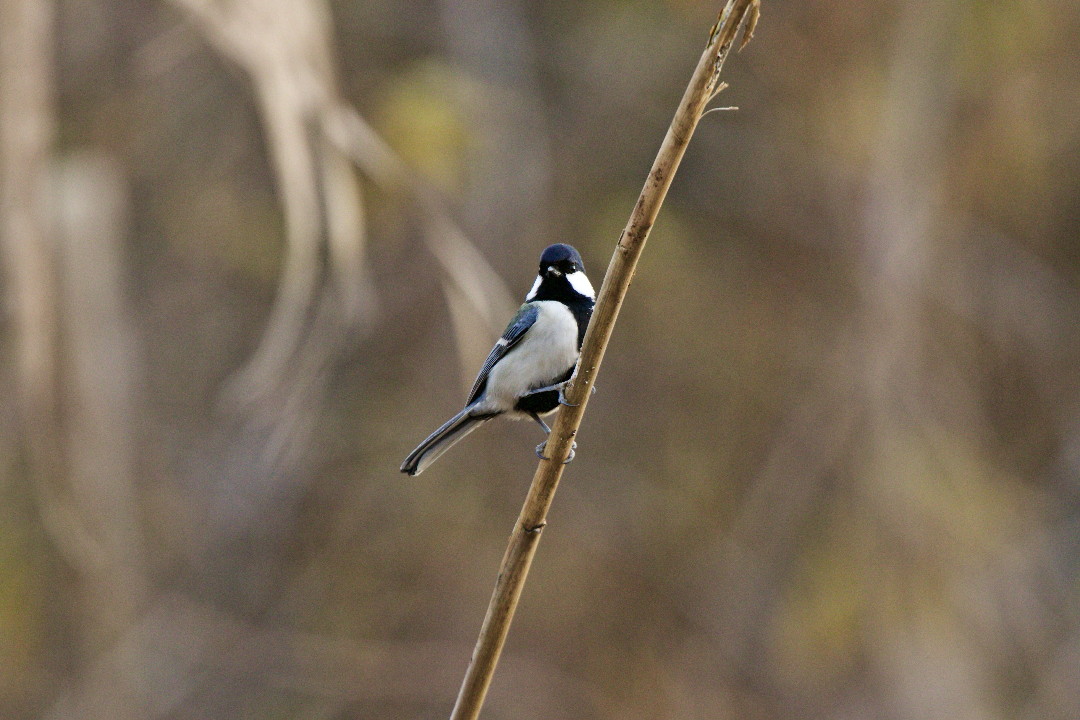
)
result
[(526, 316)]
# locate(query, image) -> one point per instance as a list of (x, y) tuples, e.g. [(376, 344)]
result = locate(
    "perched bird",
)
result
[(524, 374)]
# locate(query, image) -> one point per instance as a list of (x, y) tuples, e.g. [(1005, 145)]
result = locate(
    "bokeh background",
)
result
[(254, 250)]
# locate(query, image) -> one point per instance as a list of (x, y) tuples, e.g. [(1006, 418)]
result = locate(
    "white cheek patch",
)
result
[(580, 282), (535, 288)]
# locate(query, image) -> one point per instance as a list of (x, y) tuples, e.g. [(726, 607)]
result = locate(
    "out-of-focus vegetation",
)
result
[(251, 255)]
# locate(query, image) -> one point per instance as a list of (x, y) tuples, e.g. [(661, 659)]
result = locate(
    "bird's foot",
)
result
[(561, 387), (562, 395), (547, 388), (540, 452)]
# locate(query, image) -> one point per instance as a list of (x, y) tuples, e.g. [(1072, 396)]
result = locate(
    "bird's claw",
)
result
[(540, 452), (562, 395)]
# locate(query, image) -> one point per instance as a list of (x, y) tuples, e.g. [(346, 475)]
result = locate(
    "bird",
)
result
[(524, 375)]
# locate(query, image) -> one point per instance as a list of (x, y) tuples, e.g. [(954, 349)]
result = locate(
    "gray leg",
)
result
[(543, 424), (560, 387), (549, 388)]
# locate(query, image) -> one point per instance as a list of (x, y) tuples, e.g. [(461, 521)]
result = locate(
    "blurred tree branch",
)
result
[(704, 84), (26, 130), (285, 47), (27, 251), (473, 288), (61, 230)]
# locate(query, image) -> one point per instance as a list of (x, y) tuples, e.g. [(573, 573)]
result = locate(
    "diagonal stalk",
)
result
[(526, 534)]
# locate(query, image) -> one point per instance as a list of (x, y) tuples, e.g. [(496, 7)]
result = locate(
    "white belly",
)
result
[(545, 354)]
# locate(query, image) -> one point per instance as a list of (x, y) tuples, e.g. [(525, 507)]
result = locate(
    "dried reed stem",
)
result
[(704, 84)]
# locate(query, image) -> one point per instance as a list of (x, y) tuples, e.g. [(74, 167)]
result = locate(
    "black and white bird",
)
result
[(525, 371)]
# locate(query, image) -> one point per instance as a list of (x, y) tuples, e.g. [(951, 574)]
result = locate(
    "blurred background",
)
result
[(253, 251)]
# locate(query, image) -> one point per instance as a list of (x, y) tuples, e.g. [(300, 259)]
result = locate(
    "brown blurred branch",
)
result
[(26, 129), (27, 246), (285, 48), (101, 382), (526, 534), (312, 134), (27, 253), (473, 288), (61, 233)]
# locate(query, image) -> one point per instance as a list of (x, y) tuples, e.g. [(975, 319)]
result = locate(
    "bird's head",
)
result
[(559, 260), (561, 272)]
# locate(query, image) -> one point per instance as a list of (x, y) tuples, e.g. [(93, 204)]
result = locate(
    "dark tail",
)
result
[(442, 440)]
